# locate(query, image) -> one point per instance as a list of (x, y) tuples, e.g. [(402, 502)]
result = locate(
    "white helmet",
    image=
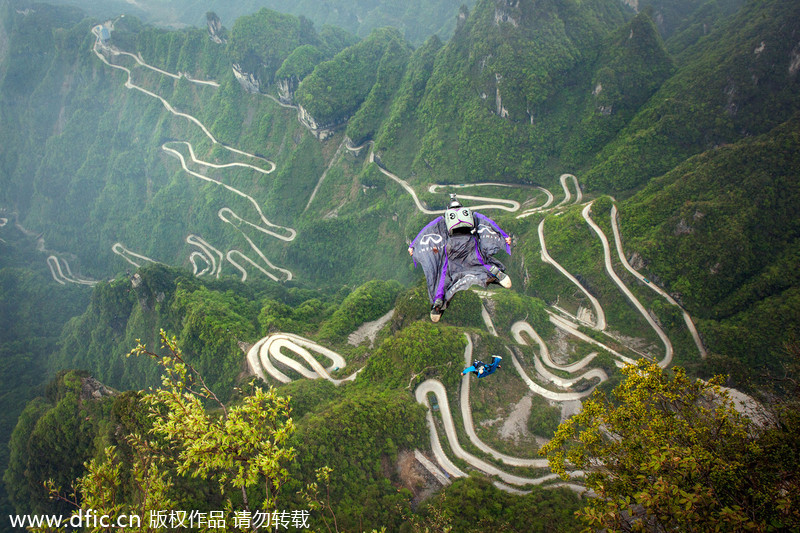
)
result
[(458, 217)]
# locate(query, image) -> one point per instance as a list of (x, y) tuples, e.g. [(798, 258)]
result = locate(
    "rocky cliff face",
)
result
[(215, 28), (507, 11), (320, 131), (500, 110), (286, 88), (247, 80), (92, 389)]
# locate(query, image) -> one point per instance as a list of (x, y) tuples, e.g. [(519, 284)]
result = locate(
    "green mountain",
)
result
[(416, 20), (255, 179), (731, 210), (492, 91), (691, 18), (734, 86), (335, 89)]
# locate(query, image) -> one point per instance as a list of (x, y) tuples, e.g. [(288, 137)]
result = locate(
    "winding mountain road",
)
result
[(600, 323), (179, 75), (212, 257), (131, 257), (225, 214), (469, 427), (436, 388), (506, 205), (63, 277), (567, 326), (544, 358), (686, 317), (494, 203), (263, 355), (665, 362), (263, 352), (567, 194)]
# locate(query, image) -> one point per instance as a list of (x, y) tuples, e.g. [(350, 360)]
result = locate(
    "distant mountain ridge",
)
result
[(416, 20)]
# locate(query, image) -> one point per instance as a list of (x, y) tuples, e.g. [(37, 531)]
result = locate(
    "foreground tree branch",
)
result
[(673, 454)]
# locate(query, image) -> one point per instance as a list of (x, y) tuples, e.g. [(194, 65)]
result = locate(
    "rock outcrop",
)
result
[(320, 131), (215, 28), (286, 88), (504, 12), (91, 389), (248, 81)]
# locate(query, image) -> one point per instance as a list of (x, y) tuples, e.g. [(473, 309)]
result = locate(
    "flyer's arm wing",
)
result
[(432, 236), (492, 237), (429, 248)]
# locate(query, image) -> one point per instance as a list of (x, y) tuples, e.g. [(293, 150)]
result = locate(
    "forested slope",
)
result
[(730, 210), (738, 81)]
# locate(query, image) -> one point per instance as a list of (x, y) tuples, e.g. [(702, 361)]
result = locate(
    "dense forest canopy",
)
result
[(246, 184)]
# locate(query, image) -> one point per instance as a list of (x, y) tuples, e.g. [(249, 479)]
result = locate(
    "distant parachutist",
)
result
[(481, 369)]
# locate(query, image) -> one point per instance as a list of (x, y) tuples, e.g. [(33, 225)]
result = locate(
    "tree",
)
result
[(672, 454), (53, 438), (243, 448)]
